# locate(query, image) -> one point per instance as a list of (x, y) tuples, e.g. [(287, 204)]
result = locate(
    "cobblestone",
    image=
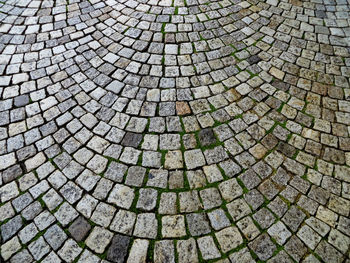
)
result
[(180, 131)]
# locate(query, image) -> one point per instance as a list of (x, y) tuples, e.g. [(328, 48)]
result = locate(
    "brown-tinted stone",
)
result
[(182, 108), (319, 88), (269, 141)]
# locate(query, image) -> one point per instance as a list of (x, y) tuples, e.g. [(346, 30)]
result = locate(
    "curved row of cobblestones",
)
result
[(174, 131)]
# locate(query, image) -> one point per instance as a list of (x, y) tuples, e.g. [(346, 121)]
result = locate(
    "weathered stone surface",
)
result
[(174, 131), (69, 251), (121, 196), (99, 239), (187, 250), (164, 251), (146, 226), (118, 249), (173, 226), (79, 229), (263, 247), (229, 238), (197, 224)]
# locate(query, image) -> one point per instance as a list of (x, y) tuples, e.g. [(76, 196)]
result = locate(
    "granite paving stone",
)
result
[(174, 131)]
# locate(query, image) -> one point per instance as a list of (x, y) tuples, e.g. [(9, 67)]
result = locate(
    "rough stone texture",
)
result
[(146, 226), (197, 224), (164, 251), (187, 250), (173, 226), (69, 251), (229, 238), (163, 131), (118, 249), (99, 239), (79, 229), (263, 247)]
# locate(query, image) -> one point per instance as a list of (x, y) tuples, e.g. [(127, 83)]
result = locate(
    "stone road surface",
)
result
[(174, 131)]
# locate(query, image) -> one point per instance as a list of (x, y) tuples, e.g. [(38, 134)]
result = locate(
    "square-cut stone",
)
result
[(39, 248), (10, 228), (242, 255), (130, 155), (309, 236), (123, 222), (263, 247), (52, 199), (189, 201), (69, 251), (151, 159), (88, 180), (164, 250), (135, 176), (158, 178), (10, 247), (169, 142), (121, 196), (97, 164), (116, 171), (28, 233), (212, 173), (86, 205), (147, 199), (218, 219), (293, 218), (103, 214), (71, 192), (43, 220), (279, 232), (215, 155), (146, 226), (79, 229), (264, 218), (88, 257), (210, 197), (173, 226), (249, 229), (194, 159), (208, 248), (229, 238), (230, 189), (238, 209), (118, 250), (198, 224), (8, 191), (187, 250), (167, 204), (66, 214), (196, 179), (173, 160), (99, 239), (138, 251)]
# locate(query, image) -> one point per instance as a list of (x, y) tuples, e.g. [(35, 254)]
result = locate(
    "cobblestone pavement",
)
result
[(174, 131)]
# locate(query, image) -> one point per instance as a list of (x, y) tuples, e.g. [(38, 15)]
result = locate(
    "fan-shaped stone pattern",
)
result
[(174, 131)]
